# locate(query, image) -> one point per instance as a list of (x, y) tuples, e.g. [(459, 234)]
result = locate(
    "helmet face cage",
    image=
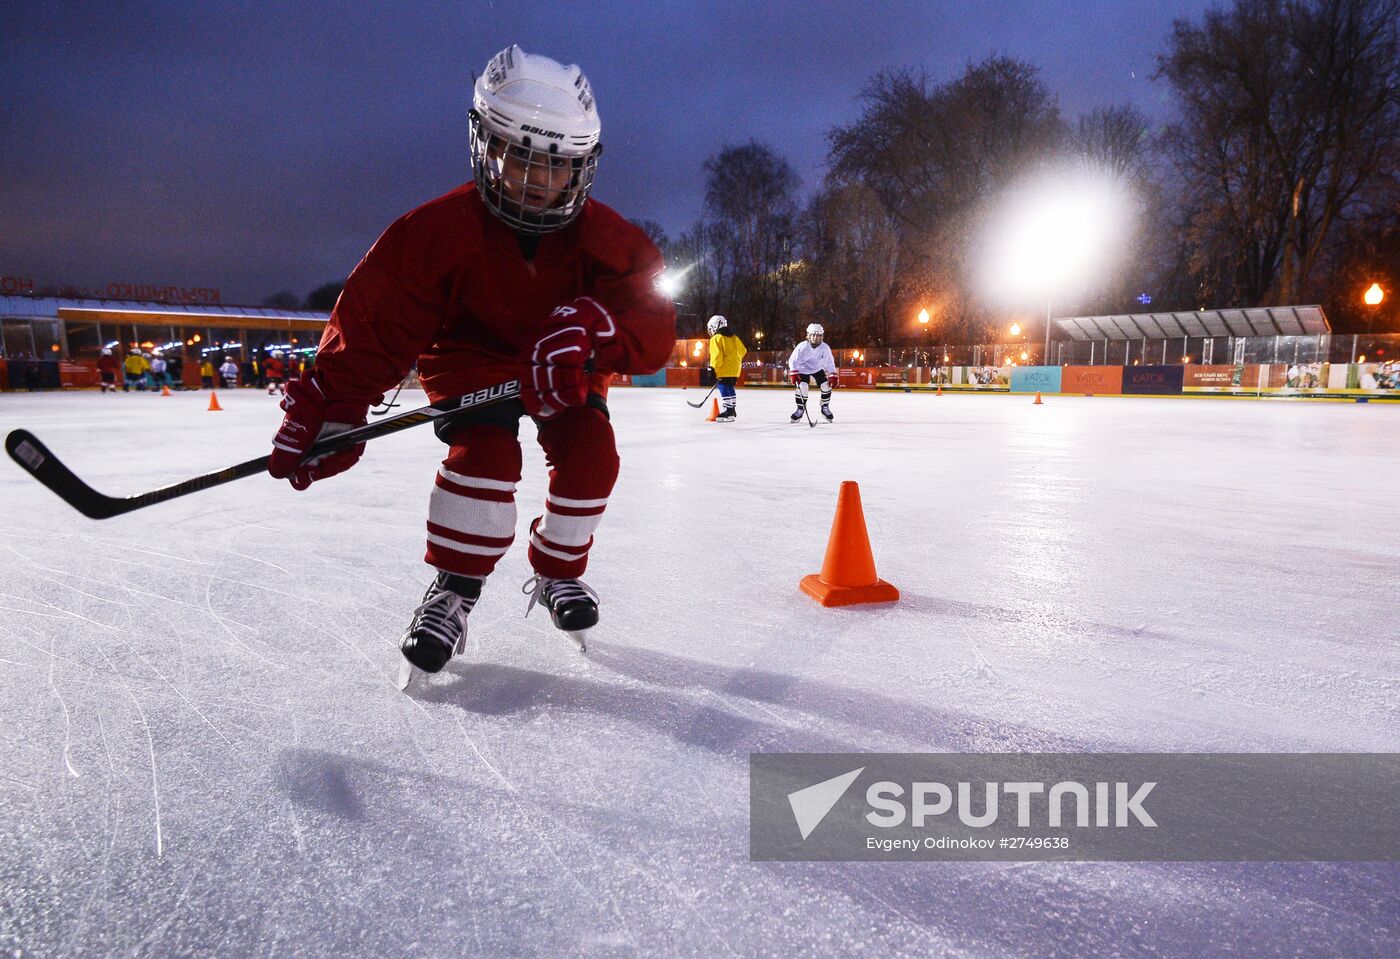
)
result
[(507, 173)]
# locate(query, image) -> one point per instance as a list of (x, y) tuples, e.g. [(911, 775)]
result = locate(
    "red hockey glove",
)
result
[(557, 375), (311, 416), (831, 379), (796, 377)]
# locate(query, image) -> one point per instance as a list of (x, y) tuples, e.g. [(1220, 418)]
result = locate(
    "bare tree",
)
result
[(933, 155), (751, 210), (1290, 114)]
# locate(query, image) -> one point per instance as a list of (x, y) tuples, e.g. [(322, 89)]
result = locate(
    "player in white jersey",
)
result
[(812, 361)]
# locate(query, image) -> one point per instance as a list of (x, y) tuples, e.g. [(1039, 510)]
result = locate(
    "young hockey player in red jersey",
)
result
[(517, 275), (276, 373)]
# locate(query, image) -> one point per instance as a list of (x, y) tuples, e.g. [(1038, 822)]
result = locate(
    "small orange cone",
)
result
[(714, 411), (940, 389), (1037, 399), (848, 571), (214, 406), (165, 390)]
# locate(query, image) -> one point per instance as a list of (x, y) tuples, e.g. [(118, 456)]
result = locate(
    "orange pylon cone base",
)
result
[(714, 411), (848, 571), (940, 390), (214, 406), (1037, 399), (165, 391)]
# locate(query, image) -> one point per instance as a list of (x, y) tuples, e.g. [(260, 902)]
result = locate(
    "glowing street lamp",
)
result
[(1015, 329), (1373, 296), (1053, 235), (923, 317)]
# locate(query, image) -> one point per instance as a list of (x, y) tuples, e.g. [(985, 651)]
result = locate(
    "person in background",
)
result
[(158, 371), (175, 369), (206, 374), (276, 373), (229, 371), (107, 370), (812, 361), (135, 367), (726, 356)]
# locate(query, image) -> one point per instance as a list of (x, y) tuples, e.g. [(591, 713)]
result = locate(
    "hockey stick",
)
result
[(807, 404), (26, 450), (391, 404), (703, 398)]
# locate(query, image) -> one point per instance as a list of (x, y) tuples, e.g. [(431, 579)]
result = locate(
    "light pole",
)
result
[(923, 323), (1045, 358)]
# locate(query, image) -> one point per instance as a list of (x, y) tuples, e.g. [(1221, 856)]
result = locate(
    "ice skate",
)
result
[(796, 415), (439, 627), (726, 416), (571, 603), (826, 411)]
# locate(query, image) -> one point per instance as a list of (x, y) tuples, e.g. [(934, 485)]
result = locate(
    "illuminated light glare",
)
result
[(1361, 358), (54, 347), (672, 282), (923, 317), (1024, 357), (1374, 295), (946, 358), (196, 338), (1054, 234), (1015, 329)]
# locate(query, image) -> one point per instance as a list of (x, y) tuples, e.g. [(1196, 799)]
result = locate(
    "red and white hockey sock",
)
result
[(471, 522), (560, 539)]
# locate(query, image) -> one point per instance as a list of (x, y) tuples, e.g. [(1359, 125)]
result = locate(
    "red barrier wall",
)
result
[(1091, 379)]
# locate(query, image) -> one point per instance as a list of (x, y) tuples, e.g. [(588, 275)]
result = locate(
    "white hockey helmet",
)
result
[(106, 351), (716, 324), (539, 115), (278, 354), (815, 333)]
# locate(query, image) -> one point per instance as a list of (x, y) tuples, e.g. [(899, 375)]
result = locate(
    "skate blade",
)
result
[(580, 638), (407, 674)]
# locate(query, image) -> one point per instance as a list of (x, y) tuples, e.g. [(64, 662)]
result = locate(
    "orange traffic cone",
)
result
[(940, 389), (1037, 399), (214, 406), (165, 390), (848, 571), (714, 411)]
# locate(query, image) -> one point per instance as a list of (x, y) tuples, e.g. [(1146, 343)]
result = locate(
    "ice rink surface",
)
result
[(204, 753)]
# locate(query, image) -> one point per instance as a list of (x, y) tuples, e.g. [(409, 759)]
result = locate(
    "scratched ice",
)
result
[(204, 754)]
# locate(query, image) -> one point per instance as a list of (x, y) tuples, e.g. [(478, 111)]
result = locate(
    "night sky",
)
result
[(262, 147)]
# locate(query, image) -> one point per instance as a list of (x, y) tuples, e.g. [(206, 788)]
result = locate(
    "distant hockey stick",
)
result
[(391, 404), (26, 450), (703, 398)]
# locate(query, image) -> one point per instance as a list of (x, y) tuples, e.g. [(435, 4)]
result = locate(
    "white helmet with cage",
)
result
[(534, 140), (716, 324), (815, 333)]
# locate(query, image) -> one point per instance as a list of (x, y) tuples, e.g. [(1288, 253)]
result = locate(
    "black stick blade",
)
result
[(34, 457)]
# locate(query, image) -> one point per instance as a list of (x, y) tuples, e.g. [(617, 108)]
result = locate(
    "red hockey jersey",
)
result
[(448, 287)]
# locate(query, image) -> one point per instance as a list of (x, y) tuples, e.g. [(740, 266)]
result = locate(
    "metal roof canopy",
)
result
[(1256, 321), (48, 307)]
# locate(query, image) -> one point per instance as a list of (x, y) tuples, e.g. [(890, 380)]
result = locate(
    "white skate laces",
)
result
[(544, 591), (443, 616)]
